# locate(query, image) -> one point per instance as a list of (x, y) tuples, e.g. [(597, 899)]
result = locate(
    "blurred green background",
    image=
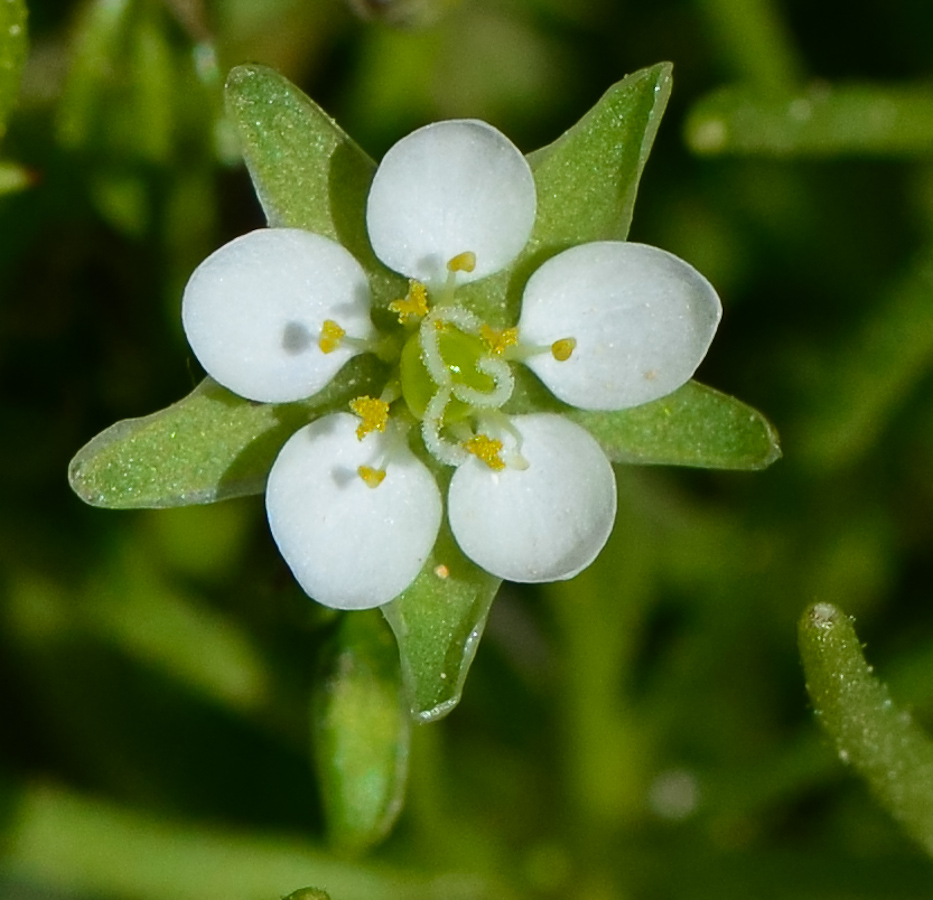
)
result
[(640, 732)]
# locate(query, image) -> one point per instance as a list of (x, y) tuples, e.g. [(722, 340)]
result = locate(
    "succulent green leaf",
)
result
[(438, 622), (361, 733), (694, 426), (306, 171), (586, 183), (873, 735), (827, 120), (210, 446), (13, 44)]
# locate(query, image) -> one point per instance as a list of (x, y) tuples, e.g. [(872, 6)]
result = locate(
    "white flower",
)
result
[(276, 313)]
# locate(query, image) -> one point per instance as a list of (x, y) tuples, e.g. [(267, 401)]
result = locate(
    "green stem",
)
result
[(879, 740)]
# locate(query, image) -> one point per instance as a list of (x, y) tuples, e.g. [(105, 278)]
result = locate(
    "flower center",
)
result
[(459, 354)]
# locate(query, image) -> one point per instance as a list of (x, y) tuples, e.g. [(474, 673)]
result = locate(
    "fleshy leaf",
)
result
[(826, 120), (438, 623), (879, 740), (361, 733), (586, 181), (210, 446), (13, 43), (694, 426), (307, 172)]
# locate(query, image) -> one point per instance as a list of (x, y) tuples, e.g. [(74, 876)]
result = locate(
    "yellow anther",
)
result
[(487, 449), (562, 349), (331, 334), (374, 414), (371, 477), (498, 340), (414, 304), (462, 262)]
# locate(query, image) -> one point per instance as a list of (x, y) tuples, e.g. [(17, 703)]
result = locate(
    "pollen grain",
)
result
[(331, 335), (487, 449), (372, 478), (414, 305), (373, 413)]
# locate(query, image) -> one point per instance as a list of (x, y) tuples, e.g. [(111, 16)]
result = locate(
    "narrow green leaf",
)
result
[(866, 378), (586, 183), (361, 733), (694, 426), (878, 739), (438, 622), (306, 171), (13, 45), (754, 40), (210, 446), (826, 120)]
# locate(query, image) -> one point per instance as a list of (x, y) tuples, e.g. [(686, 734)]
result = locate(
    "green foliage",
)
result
[(877, 738), (360, 733), (639, 731)]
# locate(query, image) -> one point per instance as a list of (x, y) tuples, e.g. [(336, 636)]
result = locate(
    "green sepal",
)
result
[(306, 171), (829, 120), (586, 184), (360, 732), (438, 622), (210, 446), (877, 738), (695, 426), (13, 47)]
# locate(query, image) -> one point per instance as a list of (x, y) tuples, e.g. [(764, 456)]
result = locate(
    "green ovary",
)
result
[(460, 353)]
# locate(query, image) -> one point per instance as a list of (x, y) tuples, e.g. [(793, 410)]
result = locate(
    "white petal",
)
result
[(351, 546), (253, 312), (543, 523), (642, 319), (449, 188)]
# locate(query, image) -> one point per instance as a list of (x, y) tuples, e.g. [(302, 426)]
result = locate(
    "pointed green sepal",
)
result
[(695, 426), (361, 733), (438, 622), (210, 446), (306, 171), (586, 184), (588, 178)]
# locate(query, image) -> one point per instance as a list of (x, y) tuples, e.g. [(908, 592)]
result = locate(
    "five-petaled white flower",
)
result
[(276, 313)]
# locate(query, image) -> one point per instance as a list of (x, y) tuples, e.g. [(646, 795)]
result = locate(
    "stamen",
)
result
[(373, 413), (331, 335), (498, 340), (562, 349), (462, 262), (414, 305), (487, 449), (371, 477)]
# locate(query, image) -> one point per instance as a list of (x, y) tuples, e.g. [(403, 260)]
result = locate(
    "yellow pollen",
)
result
[(497, 340), (414, 305), (371, 477), (487, 449), (331, 333), (462, 262), (562, 349), (374, 415), (441, 571)]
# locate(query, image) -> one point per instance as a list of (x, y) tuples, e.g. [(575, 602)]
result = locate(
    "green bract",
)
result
[(309, 175)]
